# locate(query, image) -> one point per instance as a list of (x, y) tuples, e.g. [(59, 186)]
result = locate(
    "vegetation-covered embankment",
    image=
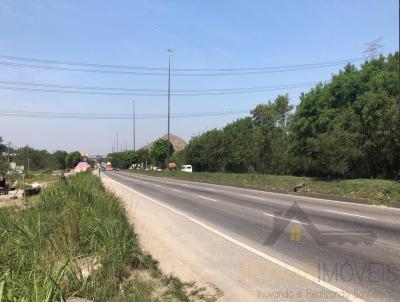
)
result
[(77, 242), (378, 191)]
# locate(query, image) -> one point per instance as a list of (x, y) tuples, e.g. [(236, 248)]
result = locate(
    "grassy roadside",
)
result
[(34, 177), (77, 242), (380, 192)]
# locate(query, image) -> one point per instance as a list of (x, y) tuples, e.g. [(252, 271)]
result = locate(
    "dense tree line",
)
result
[(348, 127), (37, 160), (124, 159), (156, 155)]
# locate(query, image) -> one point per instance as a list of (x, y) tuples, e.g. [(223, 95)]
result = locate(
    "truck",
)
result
[(172, 166)]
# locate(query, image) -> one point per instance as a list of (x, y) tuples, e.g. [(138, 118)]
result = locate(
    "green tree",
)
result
[(271, 120), (206, 151), (33, 159), (357, 115), (179, 157), (144, 157), (239, 140), (159, 150), (72, 159), (59, 157), (124, 159)]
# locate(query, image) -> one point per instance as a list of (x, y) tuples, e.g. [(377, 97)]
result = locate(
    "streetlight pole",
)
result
[(134, 125), (169, 101), (27, 151)]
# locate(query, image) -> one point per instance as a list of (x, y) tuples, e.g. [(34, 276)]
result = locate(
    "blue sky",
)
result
[(203, 34)]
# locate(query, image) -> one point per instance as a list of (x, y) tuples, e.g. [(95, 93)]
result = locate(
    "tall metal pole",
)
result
[(8, 157), (169, 101), (134, 125), (27, 150), (117, 142)]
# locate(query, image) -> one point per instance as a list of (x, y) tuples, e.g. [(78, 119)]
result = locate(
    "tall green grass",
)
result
[(41, 248)]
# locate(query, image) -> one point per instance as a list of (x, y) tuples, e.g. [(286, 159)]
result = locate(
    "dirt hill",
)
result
[(176, 141)]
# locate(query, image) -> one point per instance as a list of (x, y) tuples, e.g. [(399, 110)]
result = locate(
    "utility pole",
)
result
[(134, 125), (27, 151), (117, 141), (8, 157), (169, 101)]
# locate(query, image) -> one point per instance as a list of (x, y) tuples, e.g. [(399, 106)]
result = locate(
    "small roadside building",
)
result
[(82, 166)]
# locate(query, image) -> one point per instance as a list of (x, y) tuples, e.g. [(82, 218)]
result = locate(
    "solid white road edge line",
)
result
[(291, 220), (349, 214), (299, 272)]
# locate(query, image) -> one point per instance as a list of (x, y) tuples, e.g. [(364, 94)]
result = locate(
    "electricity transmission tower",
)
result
[(373, 48)]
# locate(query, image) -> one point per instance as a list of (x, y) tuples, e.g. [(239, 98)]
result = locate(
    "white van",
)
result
[(187, 168)]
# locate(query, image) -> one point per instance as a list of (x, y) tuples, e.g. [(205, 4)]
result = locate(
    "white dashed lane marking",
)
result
[(208, 198), (349, 214)]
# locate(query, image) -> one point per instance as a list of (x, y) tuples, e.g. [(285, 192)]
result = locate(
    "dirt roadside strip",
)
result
[(193, 253)]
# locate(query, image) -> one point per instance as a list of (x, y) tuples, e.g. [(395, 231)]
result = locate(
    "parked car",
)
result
[(187, 168)]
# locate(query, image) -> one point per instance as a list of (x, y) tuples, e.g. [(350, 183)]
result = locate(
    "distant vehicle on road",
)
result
[(109, 166), (187, 168), (103, 169), (116, 169)]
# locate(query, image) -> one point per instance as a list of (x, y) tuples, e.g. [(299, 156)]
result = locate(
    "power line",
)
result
[(112, 116), (110, 66), (12, 64), (25, 59), (150, 71), (24, 87), (46, 85)]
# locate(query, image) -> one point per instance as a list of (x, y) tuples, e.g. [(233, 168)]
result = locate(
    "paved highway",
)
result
[(350, 247)]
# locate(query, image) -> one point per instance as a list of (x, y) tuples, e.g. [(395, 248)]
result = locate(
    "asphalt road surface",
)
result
[(340, 246)]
